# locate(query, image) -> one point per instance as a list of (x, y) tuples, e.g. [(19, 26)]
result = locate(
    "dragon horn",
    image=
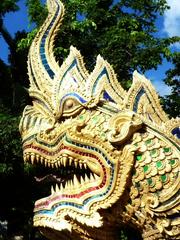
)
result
[(42, 65)]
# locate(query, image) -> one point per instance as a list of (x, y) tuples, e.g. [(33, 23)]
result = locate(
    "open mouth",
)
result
[(67, 172), (79, 179), (64, 173)]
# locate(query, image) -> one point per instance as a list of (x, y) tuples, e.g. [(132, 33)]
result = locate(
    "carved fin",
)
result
[(143, 99), (104, 79), (70, 79), (42, 103)]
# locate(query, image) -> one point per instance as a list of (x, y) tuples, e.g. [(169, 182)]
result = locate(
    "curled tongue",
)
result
[(49, 178)]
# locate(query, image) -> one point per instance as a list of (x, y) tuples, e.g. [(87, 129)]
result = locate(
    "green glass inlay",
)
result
[(166, 150), (163, 178), (148, 141), (153, 152), (135, 144), (81, 117), (172, 161), (159, 164), (95, 119), (139, 157), (145, 168), (149, 181)]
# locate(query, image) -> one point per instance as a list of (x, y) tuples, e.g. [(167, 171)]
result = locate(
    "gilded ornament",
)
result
[(112, 155)]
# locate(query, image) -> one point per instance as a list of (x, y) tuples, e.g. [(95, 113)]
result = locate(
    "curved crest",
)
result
[(41, 62), (143, 99)]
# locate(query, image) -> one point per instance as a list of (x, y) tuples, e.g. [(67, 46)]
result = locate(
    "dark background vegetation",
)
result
[(123, 33)]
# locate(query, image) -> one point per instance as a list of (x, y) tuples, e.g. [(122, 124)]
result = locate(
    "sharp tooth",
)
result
[(61, 161), (52, 190), (71, 184), (45, 162), (37, 158), (85, 165), (64, 159), (86, 178), (81, 180), (94, 167), (96, 176), (25, 157), (91, 177), (61, 187), (32, 158), (66, 185), (56, 164), (41, 159), (80, 165), (57, 188), (70, 161), (75, 181), (75, 163), (49, 164)]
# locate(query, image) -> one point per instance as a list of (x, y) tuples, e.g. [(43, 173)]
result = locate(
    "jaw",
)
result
[(97, 180), (86, 187)]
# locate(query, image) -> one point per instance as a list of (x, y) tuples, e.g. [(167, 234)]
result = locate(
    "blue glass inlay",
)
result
[(44, 61), (42, 46), (176, 132), (51, 73), (138, 96), (107, 97), (100, 75), (42, 50), (74, 95), (103, 72)]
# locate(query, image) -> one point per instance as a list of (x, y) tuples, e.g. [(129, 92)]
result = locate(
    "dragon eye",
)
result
[(71, 106), (69, 103)]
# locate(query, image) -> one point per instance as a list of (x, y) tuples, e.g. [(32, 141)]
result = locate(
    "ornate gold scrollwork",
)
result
[(123, 125)]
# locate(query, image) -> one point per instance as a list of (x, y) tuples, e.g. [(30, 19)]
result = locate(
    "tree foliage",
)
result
[(172, 101), (37, 12), (8, 6)]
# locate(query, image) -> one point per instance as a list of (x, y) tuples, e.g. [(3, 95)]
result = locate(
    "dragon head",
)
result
[(80, 127)]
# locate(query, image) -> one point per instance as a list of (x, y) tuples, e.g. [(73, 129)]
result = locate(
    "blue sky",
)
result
[(168, 25)]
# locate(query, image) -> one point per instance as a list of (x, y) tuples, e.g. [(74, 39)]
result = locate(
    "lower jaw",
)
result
[(65, 220), (72, 197), (53, 211)]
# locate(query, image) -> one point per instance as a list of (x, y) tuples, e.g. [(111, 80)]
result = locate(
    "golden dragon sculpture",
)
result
[(113, 153)]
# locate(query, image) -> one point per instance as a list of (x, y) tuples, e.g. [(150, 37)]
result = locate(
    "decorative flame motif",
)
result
[(113, 154)]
